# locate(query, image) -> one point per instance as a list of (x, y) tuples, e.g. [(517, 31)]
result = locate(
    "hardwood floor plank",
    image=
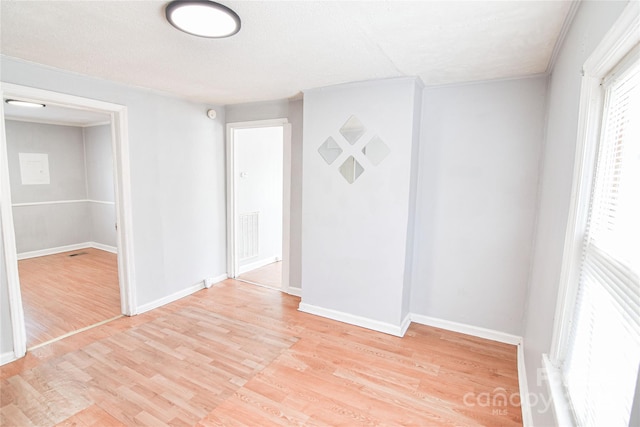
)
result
[(92, 416), (269, 275), (12, 415), (62, 294), (238, 354)]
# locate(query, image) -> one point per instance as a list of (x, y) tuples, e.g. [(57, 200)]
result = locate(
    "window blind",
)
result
[(603, 354)]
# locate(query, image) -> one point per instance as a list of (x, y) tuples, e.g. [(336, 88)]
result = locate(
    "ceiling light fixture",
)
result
[(19, 103), (203, 18)]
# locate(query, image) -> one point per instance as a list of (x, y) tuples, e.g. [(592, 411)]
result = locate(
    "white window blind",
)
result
[(603, 354)]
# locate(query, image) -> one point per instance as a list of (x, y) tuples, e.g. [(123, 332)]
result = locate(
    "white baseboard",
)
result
[(297, 292), (170, 298), (7, 357), (258, 264), (525, 405), (177, 295), (405, 324), (463, 328), (102, 247), (219, 278), (52, 251), (351, 319), (399, 330), (67, 248)]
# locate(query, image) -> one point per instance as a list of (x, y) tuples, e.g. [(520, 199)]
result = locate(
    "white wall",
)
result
[(100, 190), (258, 157), (591, 22), (479, 153), (47, 226), (354, 236), (291, 110), (177, 178)]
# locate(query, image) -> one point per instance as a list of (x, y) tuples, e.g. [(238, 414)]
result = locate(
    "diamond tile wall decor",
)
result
[(376, 150), (351, 169), (352, 130), (330, 150)]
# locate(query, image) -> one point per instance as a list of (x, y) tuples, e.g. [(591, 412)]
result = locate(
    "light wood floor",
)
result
[(268, 275), (239, 354), (62, 293)]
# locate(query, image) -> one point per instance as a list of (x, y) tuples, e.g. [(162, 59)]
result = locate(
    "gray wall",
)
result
[(592, 21), (99, 163), (354, 236), (63, 144), (295, 249), (99, 167), (276, 109), (477, 201), (50, 225), (177, 178), (413, 198), (291, 110), (81, 168)]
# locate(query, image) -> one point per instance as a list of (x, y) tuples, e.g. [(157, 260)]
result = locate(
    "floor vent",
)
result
[(79, 253)]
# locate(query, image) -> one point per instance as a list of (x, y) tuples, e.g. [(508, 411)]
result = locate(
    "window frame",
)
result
[(620, 41)]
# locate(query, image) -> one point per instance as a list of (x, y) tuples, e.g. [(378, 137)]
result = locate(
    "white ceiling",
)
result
[(286, 47)]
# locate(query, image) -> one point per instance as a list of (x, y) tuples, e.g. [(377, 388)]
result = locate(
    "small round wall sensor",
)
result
[(211, 114)]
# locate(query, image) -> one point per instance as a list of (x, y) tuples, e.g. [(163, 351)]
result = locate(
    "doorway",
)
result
[(61, 177), (259, 201), (106, 249)]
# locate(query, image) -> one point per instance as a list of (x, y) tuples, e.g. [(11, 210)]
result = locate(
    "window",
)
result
[(594, 360), (603, 348)]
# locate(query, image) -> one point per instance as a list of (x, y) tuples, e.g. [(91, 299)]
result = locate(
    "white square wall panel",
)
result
[(34, 168)]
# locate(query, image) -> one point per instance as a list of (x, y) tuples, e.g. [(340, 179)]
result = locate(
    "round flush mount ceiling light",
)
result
[(19, 103), (203, 18)]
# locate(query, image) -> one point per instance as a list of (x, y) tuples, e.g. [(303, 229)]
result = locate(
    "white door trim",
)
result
[(232, 261), (120, 147)]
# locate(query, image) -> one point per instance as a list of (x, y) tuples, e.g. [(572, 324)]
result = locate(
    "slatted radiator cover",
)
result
[(248, 235)]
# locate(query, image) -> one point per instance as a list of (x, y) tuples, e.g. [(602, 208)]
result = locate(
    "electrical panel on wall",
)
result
[(34, 168)]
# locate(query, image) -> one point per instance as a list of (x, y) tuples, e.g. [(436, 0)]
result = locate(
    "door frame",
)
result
[(232, 232), (124, 218)]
